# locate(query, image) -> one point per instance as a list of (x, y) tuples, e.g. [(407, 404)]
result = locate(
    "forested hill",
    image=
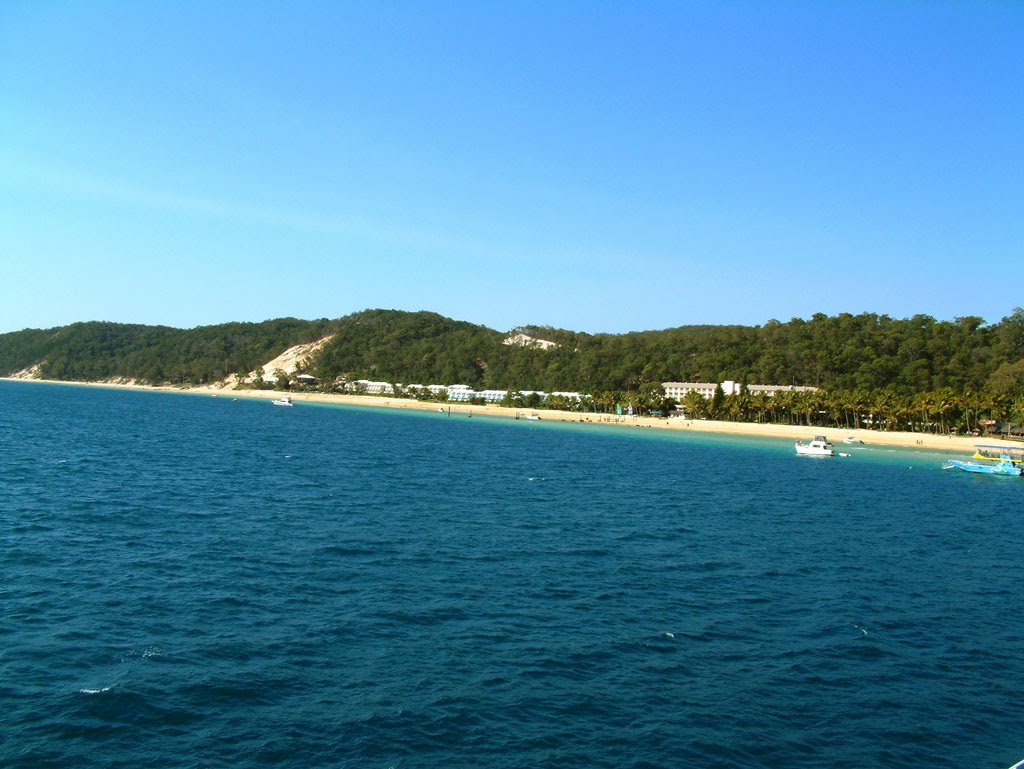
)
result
[(846, 352), (98, 351)]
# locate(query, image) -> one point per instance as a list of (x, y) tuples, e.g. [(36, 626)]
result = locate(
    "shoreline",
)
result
[(957, 443)]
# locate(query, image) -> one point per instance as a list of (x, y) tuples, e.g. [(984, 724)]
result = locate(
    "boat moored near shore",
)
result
[(1004, 466), (998, 453), (818, 447)]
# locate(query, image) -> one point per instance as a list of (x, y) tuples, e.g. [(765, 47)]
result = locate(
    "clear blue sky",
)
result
[(593, 166)]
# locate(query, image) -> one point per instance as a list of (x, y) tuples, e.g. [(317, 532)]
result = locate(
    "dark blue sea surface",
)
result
[(190, 581)]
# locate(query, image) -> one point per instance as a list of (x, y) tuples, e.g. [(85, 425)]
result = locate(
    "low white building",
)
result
[(461, 393), (776, 389), (492, 396), (569, 396), (371, 388), (678, 390), (435, 389), (457, 393)]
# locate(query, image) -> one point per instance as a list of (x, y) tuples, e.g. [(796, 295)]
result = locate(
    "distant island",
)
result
[(845, 371)]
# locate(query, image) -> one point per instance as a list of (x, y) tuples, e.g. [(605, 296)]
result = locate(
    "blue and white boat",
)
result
[(1003, 467)]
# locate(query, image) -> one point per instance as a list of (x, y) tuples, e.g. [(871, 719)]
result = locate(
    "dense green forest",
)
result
[(918, 372), (99, 351)]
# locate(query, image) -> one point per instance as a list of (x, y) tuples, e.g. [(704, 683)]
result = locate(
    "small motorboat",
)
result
[(853, 441), (285, 401), (819, 447), (1003, 467)]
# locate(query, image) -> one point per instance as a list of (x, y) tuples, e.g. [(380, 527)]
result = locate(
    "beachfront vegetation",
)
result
[(872, 370)]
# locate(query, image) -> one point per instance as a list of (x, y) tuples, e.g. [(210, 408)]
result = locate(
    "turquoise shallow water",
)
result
[(197, 582)]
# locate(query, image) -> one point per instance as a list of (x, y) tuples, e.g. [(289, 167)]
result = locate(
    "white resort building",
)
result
[(370, 388), (459, 393), (678, 390), (464, 393)]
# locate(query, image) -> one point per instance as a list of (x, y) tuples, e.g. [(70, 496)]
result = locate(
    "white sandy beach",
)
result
[(960, 444)]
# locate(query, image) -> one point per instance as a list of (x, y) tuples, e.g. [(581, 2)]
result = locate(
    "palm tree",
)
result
[(733, 406), (746, 403), (860, 401), (883, 405), (806, 403), (946, 405), (761, 402), (607, 400), (1000, 406), (837, 404), (785, 402), (694, 404), (1015, 409), (924, 405)]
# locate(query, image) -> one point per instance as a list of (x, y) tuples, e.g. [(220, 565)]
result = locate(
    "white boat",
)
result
[(285, 401), (853, 440), (819, 447)]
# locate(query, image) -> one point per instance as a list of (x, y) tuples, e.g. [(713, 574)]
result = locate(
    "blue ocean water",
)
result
[(190, 581)]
